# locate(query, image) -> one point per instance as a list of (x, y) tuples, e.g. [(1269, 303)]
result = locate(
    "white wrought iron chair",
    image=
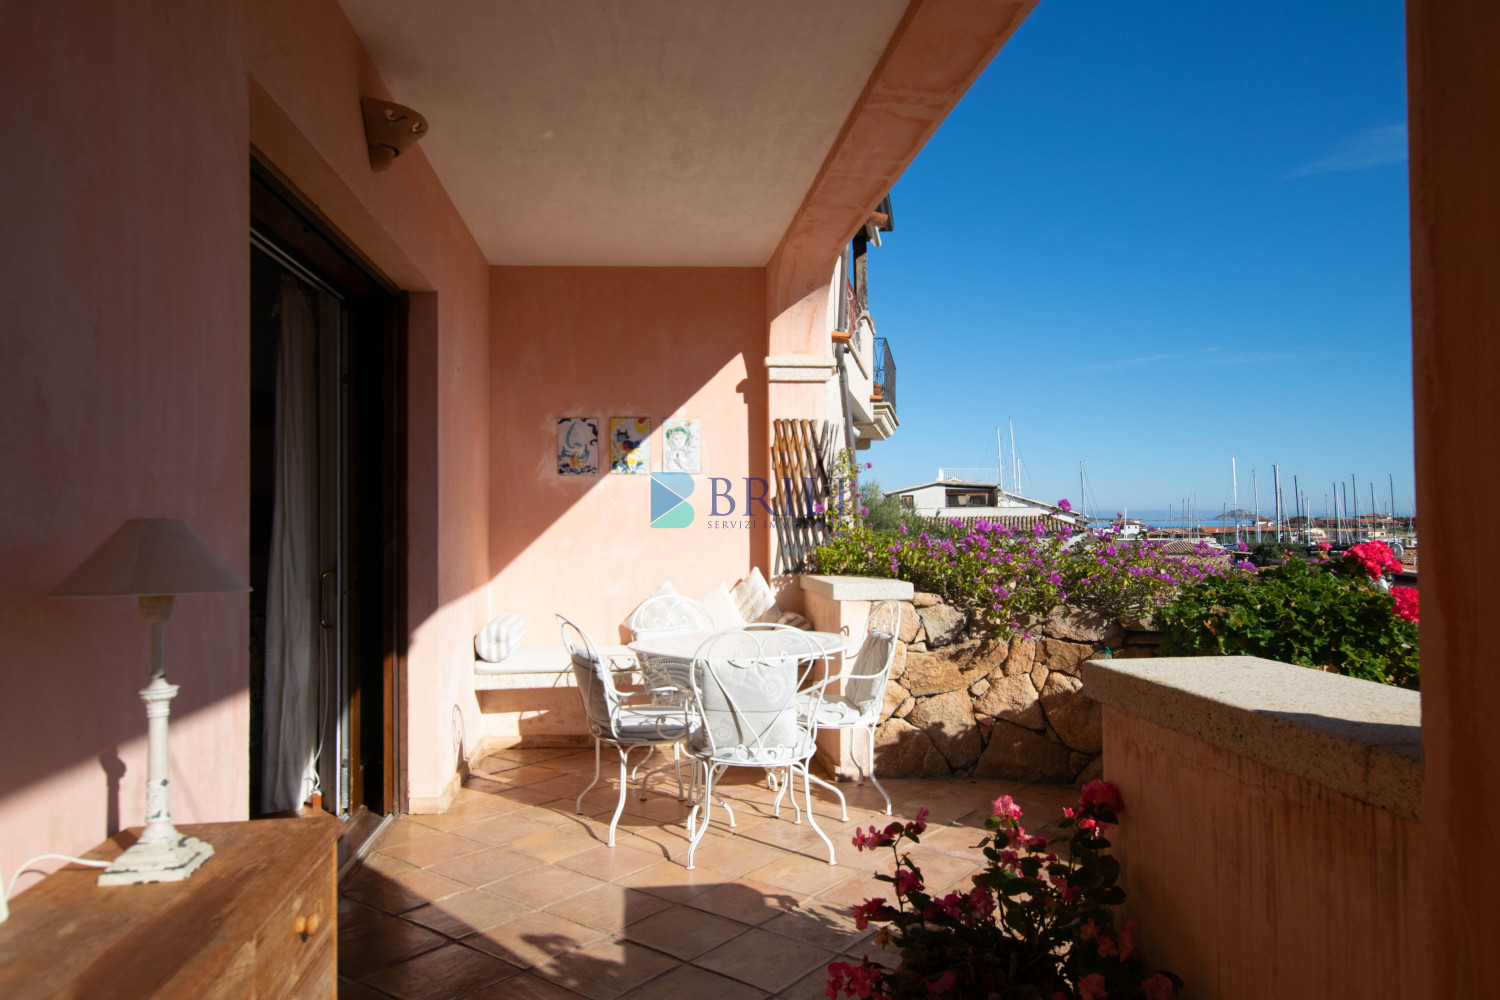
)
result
[(857, 706), (744, 695), (668, 614), (624, 727)]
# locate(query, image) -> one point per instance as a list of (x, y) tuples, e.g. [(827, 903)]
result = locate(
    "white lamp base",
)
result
[(172, 861)]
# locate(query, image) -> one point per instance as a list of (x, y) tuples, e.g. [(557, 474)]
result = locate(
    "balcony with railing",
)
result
[(885, 374)]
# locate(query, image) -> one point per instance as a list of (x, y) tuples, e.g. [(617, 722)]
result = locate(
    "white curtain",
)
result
[(290, 730)]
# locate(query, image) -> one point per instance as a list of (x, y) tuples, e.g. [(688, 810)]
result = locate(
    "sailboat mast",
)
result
[(1015, 463), (1000, 460), (1276, 487), (1392, 478), (1083, 494), (1255, 485), (1297, 499), (1234, 478), (1354, 515)]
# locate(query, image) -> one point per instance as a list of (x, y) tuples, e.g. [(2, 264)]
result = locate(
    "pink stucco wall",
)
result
[(308, 70), (126, 388), (603, 342), (123, 394)]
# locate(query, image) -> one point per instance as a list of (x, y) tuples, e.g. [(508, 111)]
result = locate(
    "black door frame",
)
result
[(377, 646)]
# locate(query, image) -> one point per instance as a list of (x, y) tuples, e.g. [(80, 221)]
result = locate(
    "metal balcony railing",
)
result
[(885, 372)]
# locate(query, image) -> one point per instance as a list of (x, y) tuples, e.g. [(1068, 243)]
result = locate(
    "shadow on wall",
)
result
[(114, 770)]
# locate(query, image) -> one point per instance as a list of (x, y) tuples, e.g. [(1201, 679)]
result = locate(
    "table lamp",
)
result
[(153, 559)]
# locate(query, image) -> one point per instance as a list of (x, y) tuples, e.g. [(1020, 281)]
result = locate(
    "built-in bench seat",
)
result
[(535, 667)]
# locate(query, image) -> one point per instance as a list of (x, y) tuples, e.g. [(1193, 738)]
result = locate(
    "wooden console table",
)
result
[(258, 920)]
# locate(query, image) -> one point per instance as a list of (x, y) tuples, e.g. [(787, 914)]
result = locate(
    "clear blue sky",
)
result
[(1158, 235)]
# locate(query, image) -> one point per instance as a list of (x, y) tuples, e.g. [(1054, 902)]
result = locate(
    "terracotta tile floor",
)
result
[(511, 896)]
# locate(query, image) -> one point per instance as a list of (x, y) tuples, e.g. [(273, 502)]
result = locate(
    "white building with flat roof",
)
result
[(971, 498)]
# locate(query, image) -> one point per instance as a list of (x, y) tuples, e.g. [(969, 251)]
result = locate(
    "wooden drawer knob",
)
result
[(306, 927)]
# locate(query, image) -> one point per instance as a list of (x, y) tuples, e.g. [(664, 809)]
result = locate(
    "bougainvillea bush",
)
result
[(1328, 613), (1034, 925), (1005, 579)]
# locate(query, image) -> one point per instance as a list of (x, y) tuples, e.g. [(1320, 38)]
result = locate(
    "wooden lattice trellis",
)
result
[(802, 459)]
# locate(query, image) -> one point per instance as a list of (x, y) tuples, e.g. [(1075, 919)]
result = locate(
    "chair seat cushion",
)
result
[(755, 756), (646, 725), (836, 710)]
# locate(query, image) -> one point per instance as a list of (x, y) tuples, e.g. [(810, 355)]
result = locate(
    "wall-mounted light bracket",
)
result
[(390, 129)]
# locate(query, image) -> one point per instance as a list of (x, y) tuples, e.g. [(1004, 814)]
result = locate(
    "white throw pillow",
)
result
[(752, 596), (665, 590), (721, 609), (499, 638)]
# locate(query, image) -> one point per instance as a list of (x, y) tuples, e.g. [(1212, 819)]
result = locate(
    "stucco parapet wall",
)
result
[(1356, 737), (799, 368), (857, 588)]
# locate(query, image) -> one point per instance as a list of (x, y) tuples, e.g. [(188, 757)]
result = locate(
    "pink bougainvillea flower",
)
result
[(864, 911), (1376, 558), (1006, 807), (1158, 987), (862, 981), (1103, 794), (1107, 946), (908, 881), (1406, 602), (1127, 941), (1091, 987), (981, 904), (1064, 505), (838, 975), (918, 826)]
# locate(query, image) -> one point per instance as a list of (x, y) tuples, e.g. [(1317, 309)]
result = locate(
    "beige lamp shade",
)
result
[(151, 555)]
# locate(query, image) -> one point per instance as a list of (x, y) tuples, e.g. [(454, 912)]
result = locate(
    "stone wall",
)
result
[(972, 706)]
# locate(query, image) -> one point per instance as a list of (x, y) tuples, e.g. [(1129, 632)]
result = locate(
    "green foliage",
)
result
[(1270, 552), (1296, 613), (884, 513)]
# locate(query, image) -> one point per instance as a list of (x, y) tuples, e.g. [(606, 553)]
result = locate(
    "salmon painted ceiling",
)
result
[(646, 133)]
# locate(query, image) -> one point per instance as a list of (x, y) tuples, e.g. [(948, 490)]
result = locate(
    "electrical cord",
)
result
[(11, 888)]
